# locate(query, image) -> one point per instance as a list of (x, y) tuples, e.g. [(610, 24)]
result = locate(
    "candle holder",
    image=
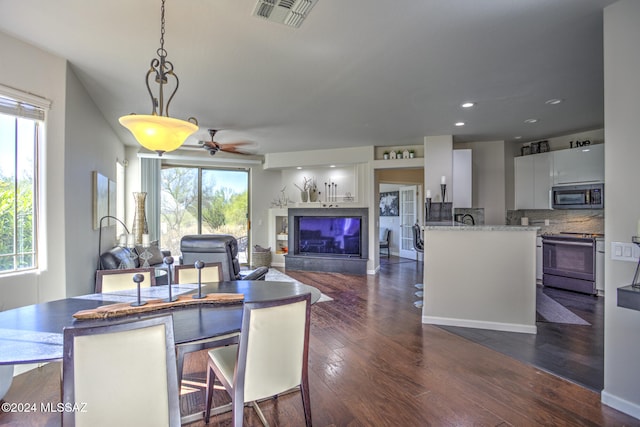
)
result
[(169, 261), (427, 208), (138, 278), (199, 265), (145, 255), (443, 192)]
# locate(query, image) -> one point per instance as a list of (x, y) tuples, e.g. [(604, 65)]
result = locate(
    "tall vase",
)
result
[(139, 219), (304, 196), (313, 195)]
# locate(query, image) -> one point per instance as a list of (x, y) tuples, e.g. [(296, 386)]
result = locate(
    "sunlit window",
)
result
[(21, 129)]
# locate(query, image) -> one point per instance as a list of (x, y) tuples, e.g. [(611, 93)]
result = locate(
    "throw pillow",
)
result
[(154, 250)]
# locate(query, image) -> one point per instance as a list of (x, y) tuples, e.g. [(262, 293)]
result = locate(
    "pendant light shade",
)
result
[(158, 133)]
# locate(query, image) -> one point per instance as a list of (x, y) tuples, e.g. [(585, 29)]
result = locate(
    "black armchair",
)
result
[(220, 248)]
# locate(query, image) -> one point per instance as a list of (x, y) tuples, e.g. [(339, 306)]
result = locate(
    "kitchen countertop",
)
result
[(432, 226)]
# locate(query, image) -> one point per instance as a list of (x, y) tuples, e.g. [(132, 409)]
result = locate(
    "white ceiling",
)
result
[(356, 73)]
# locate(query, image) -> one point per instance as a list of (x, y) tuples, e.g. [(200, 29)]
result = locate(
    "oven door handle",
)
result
[(562, 242)]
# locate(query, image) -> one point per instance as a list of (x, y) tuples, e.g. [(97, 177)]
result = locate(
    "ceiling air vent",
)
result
[(287, 12)]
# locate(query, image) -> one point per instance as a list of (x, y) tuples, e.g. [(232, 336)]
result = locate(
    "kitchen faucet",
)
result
[(473, 221)]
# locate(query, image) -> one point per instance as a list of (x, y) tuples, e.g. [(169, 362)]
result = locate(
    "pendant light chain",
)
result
[(158, 131), (162, 51)]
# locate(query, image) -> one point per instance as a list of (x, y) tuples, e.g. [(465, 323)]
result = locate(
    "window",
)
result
[(204, 201), (21, 130)]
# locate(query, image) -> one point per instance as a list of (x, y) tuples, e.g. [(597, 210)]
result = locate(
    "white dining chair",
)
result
[(270, 358), (120, 374)]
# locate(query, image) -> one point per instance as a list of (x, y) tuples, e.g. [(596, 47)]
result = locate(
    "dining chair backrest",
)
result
[(120, 374), (211, 272), (273, 346), (418, 242), (118, 280), (271, 357)]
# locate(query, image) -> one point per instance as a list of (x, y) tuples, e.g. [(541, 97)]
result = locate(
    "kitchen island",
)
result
[(480, 277)]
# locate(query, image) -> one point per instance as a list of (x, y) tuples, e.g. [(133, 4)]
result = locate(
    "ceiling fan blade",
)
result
[(233, 149)]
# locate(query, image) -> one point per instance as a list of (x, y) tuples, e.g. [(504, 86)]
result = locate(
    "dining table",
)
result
[(34, 333)]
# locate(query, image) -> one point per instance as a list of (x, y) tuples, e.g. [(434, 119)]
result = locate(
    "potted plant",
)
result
[(385, 155), (412, 154)]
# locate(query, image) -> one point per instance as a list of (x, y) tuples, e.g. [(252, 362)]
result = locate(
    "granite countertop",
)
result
[(449, 227)]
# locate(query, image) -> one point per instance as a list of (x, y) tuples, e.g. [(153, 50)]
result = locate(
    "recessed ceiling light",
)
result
[(531, 121), (468, 104), (332, 166), (459, 123), (517, 137), (299, 167), (553, 101)]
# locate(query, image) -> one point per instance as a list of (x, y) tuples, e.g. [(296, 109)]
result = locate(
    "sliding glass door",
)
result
[(198, 200)]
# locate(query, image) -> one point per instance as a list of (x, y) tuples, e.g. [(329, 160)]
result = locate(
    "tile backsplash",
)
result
[(570, 220)]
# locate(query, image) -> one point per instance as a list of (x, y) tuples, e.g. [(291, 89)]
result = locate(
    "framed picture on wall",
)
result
[(390, 203), (100, 198)]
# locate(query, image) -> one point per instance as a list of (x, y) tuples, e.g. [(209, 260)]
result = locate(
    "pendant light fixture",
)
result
[(157, 131)]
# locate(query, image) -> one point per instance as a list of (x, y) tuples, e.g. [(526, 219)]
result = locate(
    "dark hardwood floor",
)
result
[(574, 352), (372, 363)]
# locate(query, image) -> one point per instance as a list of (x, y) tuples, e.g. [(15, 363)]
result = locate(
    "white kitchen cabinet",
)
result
[(462, 182), (579, 165), (533, 181), (278, 235)]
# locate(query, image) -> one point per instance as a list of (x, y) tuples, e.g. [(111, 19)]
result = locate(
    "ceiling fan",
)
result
[(232, 147)]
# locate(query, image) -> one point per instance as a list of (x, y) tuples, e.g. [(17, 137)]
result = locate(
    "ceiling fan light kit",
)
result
[(158, 132)]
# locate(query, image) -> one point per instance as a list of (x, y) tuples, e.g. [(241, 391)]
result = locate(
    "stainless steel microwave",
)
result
[(586, 196)]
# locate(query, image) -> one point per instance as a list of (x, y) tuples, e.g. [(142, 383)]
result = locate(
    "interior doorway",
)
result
[(407, 183)]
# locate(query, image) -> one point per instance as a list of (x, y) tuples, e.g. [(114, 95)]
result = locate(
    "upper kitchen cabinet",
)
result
[(533, 181), (462, 178), (579, 165)]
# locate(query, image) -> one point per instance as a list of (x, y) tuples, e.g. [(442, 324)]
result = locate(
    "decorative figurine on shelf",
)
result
[(392, 154), (405, 154)]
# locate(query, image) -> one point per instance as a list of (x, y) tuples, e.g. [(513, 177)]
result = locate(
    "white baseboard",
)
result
[(622, 405), (21, 369), (479, 324)]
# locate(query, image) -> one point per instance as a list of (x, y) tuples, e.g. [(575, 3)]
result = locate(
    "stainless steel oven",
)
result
[(586, 196), (569, 262)]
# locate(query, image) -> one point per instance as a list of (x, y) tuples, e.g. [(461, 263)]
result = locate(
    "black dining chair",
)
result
[(385, 235)]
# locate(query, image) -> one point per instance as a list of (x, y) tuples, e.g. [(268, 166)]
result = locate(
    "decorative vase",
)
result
[(313, 195), (139, 218), (304, 196)]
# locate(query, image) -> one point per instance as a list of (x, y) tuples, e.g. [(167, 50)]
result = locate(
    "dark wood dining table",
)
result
[(33, 334)]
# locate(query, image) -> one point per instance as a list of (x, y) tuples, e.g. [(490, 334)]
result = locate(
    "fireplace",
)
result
[(328, 239)]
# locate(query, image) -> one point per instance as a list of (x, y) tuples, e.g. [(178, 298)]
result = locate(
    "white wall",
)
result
[(438, 162), (32, 70), (622, 151), (91, 145), (78, 141), (489, 179)]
